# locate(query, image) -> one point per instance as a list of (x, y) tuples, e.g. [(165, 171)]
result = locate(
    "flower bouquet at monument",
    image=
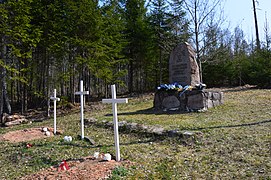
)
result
[(169, 87), (174, 87)]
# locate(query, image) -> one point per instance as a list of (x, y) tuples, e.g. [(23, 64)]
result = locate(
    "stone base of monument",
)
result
[(194, 100)]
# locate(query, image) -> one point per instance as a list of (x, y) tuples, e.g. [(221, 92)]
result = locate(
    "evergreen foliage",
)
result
[(53, 44)]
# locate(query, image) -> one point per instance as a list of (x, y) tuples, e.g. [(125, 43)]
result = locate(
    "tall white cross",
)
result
[(114, 102), (54, 98), (82, 93)]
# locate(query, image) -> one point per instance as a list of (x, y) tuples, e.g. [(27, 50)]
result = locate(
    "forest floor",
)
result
[(235, 143)]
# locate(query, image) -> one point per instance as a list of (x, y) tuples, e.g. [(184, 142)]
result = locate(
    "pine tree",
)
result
[(136, 35), (19, 38)]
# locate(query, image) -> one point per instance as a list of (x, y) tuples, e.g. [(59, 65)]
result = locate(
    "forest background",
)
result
[(53, 44)]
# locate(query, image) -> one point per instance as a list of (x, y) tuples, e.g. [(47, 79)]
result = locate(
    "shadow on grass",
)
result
[(77, 142), (148, 137), (229, 126), (151, 111)]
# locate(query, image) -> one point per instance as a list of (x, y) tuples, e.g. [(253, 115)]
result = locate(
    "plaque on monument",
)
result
[(183, 67)]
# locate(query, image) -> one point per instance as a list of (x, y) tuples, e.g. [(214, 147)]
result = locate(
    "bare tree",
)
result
[(200, 13), (267, 33), (256, 24)]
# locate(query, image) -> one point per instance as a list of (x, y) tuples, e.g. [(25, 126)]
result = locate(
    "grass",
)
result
[(236, 142)]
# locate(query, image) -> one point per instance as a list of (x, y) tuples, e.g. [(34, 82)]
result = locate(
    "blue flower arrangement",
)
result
[(179, 88), (174, 87)]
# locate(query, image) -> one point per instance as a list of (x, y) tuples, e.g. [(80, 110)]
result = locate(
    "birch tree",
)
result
[(201, 12)]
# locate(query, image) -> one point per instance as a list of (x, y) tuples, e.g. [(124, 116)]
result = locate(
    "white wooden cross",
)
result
[(82, 93), (54, 98), (114, 102)]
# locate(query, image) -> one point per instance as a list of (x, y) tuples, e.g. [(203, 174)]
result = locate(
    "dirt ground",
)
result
[(87, 168), (24, 135)]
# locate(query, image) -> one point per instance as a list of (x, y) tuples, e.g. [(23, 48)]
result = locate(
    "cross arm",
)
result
[(82, 92), (122, 100), (55, 98)]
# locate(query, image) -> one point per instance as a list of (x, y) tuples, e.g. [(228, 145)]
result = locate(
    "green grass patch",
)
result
[(236, 142)]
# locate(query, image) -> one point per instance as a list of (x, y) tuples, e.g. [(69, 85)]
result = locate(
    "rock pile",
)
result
[(11, 120), (151, 130), (194, 100)]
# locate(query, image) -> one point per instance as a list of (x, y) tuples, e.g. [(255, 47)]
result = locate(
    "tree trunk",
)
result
[(256, 26), (24, 99), (1, 94), (131, 76), (24, 89), (160, 66), (4, 93), (48, 82), (197, 40)]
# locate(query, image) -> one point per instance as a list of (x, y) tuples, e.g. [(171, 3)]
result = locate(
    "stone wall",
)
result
[(188, 101), (155, 131)]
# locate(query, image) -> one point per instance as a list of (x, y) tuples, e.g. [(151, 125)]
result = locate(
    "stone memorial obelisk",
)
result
[(183, 67), (184, 70)]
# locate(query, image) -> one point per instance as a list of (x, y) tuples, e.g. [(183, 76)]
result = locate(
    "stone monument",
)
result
[(184, 73), (183, 67)]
